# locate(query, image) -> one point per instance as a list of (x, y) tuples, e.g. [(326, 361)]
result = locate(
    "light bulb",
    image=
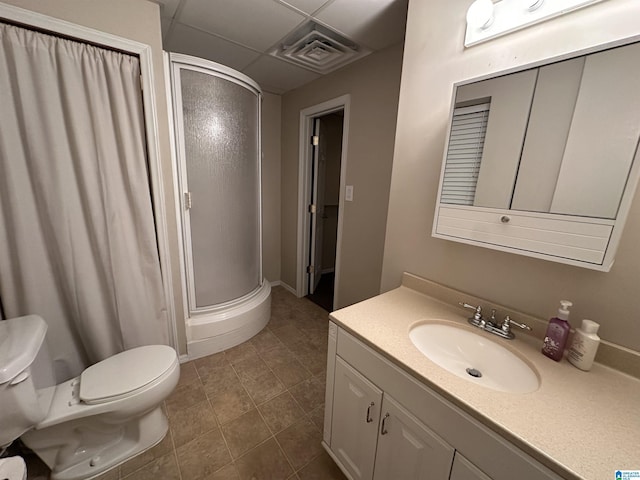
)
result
[(532, 5), (480, 14)]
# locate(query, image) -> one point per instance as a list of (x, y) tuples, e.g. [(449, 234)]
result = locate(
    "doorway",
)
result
[(325, 195), (322, 170)]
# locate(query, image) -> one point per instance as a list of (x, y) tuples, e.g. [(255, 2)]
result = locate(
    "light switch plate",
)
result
[(348, 193)]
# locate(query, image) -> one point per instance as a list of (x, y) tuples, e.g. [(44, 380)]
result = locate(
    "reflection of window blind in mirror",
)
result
[(464, 153)]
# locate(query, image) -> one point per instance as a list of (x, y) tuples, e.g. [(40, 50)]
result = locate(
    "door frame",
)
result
[(305, 189), (315, 246), (145, 54)]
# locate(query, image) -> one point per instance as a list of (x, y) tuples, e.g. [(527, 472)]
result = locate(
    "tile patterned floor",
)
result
[(252, 412)]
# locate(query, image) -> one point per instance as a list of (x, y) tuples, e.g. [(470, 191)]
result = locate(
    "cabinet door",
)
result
[(463, 469), (510, 98), (356, 415), (407, 449), (603, 138), (554, 102)]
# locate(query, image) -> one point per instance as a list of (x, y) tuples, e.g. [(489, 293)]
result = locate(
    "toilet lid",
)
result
[(125, 372)]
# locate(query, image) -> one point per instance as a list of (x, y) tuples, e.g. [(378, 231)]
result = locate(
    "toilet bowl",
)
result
[(89, 424), (13, 468)]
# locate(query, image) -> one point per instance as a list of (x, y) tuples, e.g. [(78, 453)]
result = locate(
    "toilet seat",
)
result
[(123, 374)]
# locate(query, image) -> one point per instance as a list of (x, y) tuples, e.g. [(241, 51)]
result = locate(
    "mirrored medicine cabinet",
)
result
[(544, 162)]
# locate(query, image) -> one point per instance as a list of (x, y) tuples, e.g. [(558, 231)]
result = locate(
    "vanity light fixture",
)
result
[(531, 5), (487, 20), (480, 15)]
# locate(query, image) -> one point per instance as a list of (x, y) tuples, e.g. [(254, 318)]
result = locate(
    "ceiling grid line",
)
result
[(282, 44)]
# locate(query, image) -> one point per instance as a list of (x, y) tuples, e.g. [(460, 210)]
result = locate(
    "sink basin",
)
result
[(474, 358)]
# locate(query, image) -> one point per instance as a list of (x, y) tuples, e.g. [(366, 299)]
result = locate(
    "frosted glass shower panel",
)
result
[(221, 121)]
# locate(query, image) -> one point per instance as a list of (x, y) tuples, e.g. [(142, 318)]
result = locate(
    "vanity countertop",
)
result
[(582, 425)]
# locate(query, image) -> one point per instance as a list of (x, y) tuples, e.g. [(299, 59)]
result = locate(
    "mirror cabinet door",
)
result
[(603, 137), (551, 114), (510, 99), (560, 138), (542, 162)]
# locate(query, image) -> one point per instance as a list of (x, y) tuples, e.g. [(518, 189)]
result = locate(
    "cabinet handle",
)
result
[(369, 419), (383, 429), (505, 219)]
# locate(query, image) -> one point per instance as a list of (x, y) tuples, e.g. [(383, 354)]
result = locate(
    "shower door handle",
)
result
[(187, 200)]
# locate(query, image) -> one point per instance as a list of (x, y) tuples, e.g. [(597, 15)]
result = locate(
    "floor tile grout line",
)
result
[(286, 457), (219, 424), (306, 415), (118, 468), (175, 453), (286, 390), (310, 461), (279, 379), (297, 357), (201, 434), (272, 433), (226, 444), (255, 406), (314, 457)]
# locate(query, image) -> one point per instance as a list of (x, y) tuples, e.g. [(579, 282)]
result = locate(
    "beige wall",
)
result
[(271, 130), (373, 84), (434, 59), (140, 21)]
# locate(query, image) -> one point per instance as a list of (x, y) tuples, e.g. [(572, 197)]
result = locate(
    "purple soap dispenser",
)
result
[(557, 333)]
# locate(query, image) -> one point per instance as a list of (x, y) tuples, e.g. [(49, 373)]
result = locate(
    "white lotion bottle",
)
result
[(584, 345)]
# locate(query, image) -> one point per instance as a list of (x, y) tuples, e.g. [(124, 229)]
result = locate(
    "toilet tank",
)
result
[(26, 376)]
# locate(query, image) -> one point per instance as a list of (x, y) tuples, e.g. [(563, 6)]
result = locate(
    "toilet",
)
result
[(84, 426)]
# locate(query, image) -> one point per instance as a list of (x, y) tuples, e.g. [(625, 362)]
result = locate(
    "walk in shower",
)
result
[(216, 113)]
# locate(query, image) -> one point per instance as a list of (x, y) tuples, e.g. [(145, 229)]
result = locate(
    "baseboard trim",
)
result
[(288, 288)]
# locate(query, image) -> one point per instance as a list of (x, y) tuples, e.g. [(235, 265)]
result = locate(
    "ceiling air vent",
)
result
[(319, 49)]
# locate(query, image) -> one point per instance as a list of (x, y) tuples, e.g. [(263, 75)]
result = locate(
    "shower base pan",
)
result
[(228, 326)]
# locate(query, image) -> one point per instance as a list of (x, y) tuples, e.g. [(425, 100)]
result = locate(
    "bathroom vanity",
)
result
[(391, 413)]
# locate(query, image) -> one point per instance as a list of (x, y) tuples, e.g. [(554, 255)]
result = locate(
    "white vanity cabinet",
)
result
[(463, 469), (407, 448), (382, 424), (356, 416), (373, 436)]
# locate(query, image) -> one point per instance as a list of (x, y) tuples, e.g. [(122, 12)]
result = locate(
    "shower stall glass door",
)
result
[(217, 129)]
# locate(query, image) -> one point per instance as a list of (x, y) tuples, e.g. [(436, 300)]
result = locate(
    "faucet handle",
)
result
[(508, 321), (478, 309)]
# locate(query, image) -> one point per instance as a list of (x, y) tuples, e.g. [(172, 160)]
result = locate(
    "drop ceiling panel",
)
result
[(218, 30), (258, 24), (277, 76), (187, 40), (307, 6), (374, 23)]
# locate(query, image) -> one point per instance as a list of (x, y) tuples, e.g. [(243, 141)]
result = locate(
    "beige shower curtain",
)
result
[(77, 234)]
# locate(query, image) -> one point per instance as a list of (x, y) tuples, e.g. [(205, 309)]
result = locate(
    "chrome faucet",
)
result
[(477, 316), (502, 330), (506, 327)]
